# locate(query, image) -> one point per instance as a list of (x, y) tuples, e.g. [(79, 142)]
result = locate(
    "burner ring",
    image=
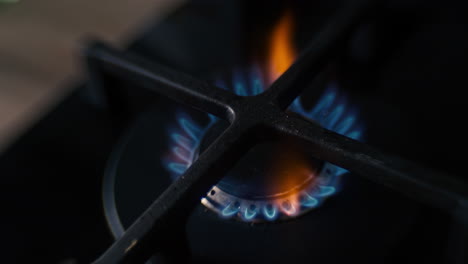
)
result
[(275, 207), (247, 194)]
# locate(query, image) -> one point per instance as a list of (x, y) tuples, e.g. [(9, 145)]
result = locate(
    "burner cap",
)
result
[(274, 180), (268, 170)]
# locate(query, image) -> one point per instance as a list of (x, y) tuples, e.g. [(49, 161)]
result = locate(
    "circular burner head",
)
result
[(270, 169), (274, 180)]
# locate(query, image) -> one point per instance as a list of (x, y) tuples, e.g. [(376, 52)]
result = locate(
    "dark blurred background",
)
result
[(39, 48), (40, 65)]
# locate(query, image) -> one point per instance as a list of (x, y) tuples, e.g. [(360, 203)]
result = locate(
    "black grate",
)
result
[(251, 120)]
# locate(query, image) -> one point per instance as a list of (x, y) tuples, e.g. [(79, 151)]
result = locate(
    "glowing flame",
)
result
[(281, 51), (298, 182), (292, 165), (293, 172)]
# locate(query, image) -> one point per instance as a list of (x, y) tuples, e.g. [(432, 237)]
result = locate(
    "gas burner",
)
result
[(177, 227), (257, 161), (274, 181)]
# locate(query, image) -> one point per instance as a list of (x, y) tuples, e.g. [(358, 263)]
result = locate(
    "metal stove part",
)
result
[(254, 191), (248, 116), (282, 207)]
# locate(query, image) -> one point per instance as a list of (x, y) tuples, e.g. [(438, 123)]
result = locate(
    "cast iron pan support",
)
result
[(250, 117)]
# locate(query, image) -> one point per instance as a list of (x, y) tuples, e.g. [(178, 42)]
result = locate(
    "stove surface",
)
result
[(403, 68)]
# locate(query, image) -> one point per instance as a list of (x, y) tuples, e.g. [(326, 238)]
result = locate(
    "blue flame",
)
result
[(308, 200), (230, 210), (331, 112), (325, 191), (270, 212), (185, 139), (250, 213), (253, 86)]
